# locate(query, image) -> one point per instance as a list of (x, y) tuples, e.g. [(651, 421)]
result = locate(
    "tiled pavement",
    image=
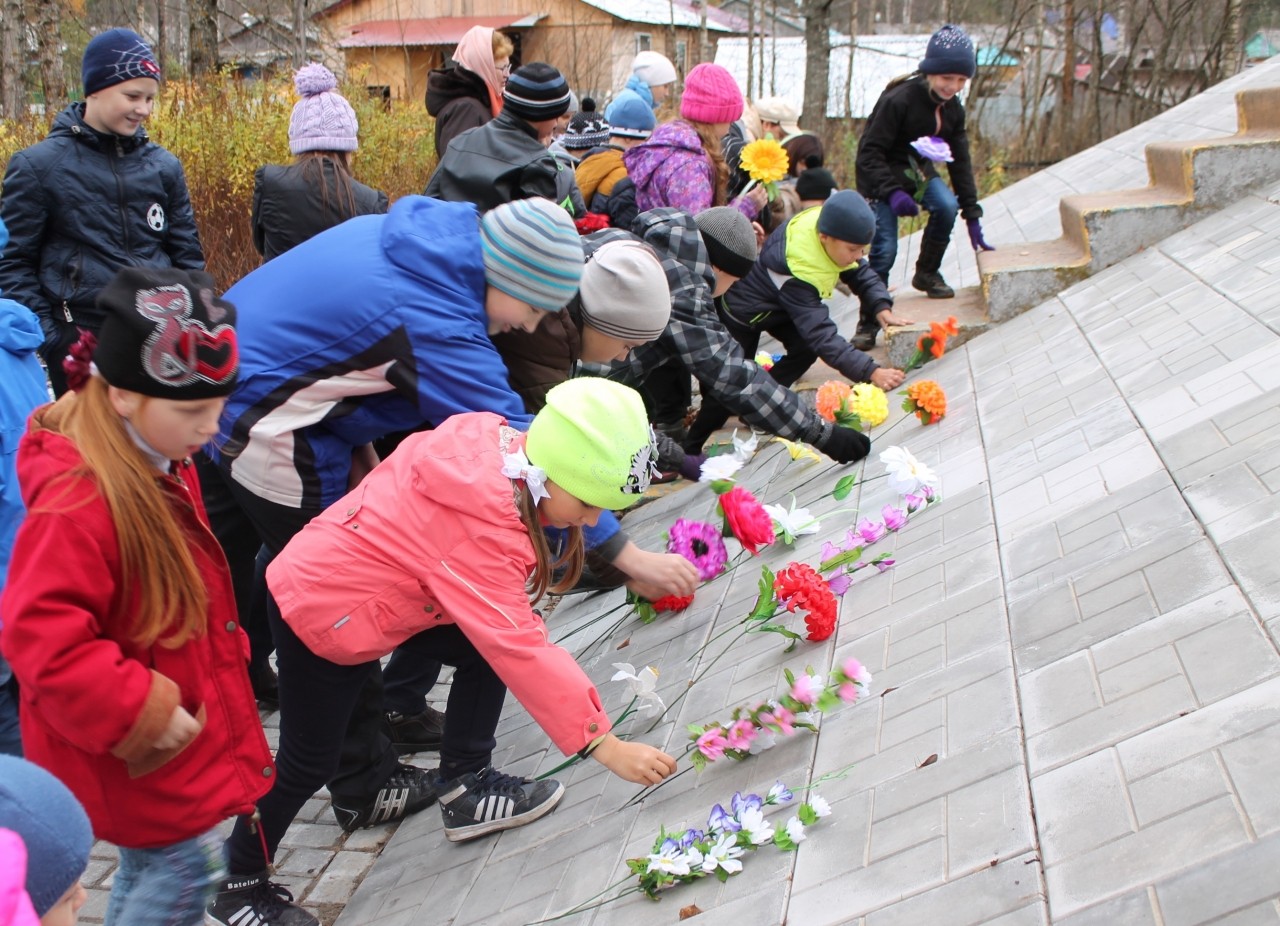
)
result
[(1083, 633)]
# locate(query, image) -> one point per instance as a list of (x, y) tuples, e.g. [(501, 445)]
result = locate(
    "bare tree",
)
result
[(204, 36), (48, 26), (817, 61), (12, 53)]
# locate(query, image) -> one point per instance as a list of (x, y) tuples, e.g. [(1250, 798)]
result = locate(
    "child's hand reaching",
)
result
[(639, 763), (181, 730), (666, 573)]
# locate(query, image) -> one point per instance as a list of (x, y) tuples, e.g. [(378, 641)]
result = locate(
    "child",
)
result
[(440, 551), (129, 655), (24, 389), (682, 164), (783, 294), (94, 196), (922, 104), (317, 191), (468, 93), (507, 158), (50, 829), (601, 172), (652, 78)]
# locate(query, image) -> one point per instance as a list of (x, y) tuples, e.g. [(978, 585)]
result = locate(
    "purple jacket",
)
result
[(672, 169)]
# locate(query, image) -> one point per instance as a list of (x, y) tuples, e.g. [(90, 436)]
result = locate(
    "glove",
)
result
[(845, 445), (903, 205), (975, 236), (691, 467)]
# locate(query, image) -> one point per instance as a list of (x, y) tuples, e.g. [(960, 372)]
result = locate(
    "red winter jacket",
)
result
[(431, 537), (93, 702)]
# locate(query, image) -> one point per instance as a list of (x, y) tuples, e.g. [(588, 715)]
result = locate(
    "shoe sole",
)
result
[(409, 749), (476, 830)]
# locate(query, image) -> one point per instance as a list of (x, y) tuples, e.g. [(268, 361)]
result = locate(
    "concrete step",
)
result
[(969, 310)]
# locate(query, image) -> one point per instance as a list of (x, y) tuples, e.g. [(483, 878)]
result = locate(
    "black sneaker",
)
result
[(487, 801), (407, 791), (412, 733), (252, 900)]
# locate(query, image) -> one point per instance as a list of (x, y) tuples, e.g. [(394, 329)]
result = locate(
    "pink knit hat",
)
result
[(711, 95)]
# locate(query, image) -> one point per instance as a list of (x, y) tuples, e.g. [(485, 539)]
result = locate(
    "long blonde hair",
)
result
[(571, 555), (712, 144), (156, 559)]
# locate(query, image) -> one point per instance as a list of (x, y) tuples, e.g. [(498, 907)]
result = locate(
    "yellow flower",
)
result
[(798, 450), (870, 404), (765, 161)]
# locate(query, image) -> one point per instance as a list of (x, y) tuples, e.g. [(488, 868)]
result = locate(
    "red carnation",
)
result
[(672, 602), (798, 585), (747, 519)]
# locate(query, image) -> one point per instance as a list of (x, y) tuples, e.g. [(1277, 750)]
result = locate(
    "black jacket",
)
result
[(501, 161), (79, 206), (458, 100), (904, 113), (288, 208)]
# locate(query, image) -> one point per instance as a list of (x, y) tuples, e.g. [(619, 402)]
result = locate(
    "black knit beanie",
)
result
[(536, 92)]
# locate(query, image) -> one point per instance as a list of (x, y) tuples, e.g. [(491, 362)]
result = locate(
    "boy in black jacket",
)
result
[(94, 196)]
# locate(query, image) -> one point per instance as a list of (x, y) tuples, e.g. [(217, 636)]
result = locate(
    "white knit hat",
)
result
[(654, 69)]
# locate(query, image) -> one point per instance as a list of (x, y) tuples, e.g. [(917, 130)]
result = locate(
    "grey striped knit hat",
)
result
[(536, 92), (532, 252)]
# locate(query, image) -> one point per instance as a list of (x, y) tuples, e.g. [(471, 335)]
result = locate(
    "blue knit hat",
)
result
[(115, 56), (630, 116), (950, 51), (532, 252), (53, 826)]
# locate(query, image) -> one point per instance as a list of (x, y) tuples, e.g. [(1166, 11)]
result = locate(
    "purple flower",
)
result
[(894, 518), (721, 821), (882, 564), (829, 550), (914, 502), (690, 837), (932, 148), (868, 531), (700, 543), (743, 802), (840, 584)]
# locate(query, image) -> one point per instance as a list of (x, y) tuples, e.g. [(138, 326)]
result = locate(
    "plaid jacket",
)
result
[(696, 339)]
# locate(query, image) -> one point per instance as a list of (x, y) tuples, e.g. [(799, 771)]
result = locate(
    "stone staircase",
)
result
[(1187, 181)]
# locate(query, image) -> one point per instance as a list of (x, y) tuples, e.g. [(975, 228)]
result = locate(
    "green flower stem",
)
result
[(593, 903), (649, 789), (575, 758), (599, 617)]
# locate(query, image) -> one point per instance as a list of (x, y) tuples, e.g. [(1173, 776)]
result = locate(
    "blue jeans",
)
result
[(168, 886), (942, 207)]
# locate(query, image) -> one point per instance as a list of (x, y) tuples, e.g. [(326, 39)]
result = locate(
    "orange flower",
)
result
[(831, 399), (928, 399)]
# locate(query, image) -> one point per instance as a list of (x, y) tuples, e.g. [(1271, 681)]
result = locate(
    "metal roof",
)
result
[(440, 30), (662, 13)]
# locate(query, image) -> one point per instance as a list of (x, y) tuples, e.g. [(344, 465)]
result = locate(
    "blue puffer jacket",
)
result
[(79, 206)]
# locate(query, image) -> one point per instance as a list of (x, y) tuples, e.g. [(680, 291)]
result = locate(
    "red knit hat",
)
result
[(711, 95)]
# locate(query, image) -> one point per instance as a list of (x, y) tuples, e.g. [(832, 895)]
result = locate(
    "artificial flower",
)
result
[(744, 448), (764, 360), (643, 684), (765, 739), (795, 830), (907, 475), (926, 400), (766, 162), (701, 544), (747, 519), (806, 688), (834, 403), (839, 584), (894, 518), (855, 670), (591, 222), (792, 522), (779, 794), (741, 734), (724, 854), (721, 466), (672, 603), (798, 450), (797, 585), (757, 831), (934, 343), (869, 403), (721, 821), (740, 802), (819, 804), (866, 533), (933, 148), (669, 859), (712, 743)]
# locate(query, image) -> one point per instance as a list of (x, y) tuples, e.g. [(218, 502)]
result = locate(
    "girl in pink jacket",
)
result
[(440, 551)]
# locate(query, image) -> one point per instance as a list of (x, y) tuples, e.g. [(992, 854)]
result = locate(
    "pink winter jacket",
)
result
[(432, 537)]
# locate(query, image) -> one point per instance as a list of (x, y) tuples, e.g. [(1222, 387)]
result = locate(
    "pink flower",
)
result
[(806, 688), (894, 518), (741, 734), (840, 584), (780, 718), (868, 531), (883, 565), (829, 550), (856, 671), (914, 501), (847, 692), (712, 744)]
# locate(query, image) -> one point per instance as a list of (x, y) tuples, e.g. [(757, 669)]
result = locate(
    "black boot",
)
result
[(865, 337), (927, 279)]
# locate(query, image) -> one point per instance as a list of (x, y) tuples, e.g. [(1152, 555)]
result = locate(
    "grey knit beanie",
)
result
[(532, 252), (625, 293), (730, 239), (847, 217), (53, 826)]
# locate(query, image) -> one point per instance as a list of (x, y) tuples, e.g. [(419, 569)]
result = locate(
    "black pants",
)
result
[(406, 679), (798, 357), (319, 700)]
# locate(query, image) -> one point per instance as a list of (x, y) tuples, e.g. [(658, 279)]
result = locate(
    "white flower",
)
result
[(795, 830), (806, 717), (819, 805), (752, 820), (792, 522), (670, 860), (724, 854), (766, 738), (721, 466), (642, 684), (744, 450), (906, 473)]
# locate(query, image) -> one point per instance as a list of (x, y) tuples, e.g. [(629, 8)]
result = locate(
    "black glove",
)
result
[(845, 445)]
